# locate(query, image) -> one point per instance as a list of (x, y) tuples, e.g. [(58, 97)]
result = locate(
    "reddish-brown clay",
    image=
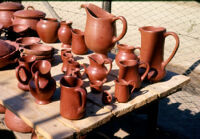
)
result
[(96, 86), (65, 57), (64, 51), (125, 52), (97, 70), (106, 97), (65, 34), (23, 71), (152, 50), (7, 10), (23, 41), (122, 90), (34, 135), (14, 123), (47, 29), (2, 109), (72, 98), (42, 85), (128, 70), (100, 30), (73, 68), (78, 43)]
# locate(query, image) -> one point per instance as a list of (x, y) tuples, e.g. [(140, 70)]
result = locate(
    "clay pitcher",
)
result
[(65, 34), (78, 43), (128, 70), (23, 71), (65, 57), (47, 29), (72, 98), (100, 30), (152, 50), (73, 68), (97, 70), (126, 52), (42, 85)]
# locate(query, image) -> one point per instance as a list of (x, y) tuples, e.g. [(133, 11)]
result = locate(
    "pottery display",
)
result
[(29, 17), (47, 29), (9, 53), (64, 51), (7, 10), (100, 29), (65, 34), (122, 90), (129, 71), (152, 50), (42, 85), (23, 41), (78, 43), (97, 70), (126, 52), (72, 98), (65, 57), (23, 71), (13, 122)]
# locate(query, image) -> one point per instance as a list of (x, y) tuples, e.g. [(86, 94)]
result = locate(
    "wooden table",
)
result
[(46, 119)]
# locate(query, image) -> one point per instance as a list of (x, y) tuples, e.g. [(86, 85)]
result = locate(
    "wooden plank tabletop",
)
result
[(46, 119)]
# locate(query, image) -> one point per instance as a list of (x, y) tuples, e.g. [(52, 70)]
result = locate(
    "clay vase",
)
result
[(14, 123), (96, 86), (100, 29), (47, 29), (64, 51), (152, 50), (78, 43), (129, 71), (72, 98), (42, 85), (65, 34), (97, 70), (65, 57), (126, 52), (73, 68), (122, 90), (23, 71)]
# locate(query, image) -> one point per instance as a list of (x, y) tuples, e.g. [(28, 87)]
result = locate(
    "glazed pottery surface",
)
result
[(65, 34), (7, 10), (14, 123), (78, 43), (42, 85), (125, 52), (73, 98), (47, 29), (27, 41), (97, 70), (23, 71), (100, 29), (152, 50), (129, 71)]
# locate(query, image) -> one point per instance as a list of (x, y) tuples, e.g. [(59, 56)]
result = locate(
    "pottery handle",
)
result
[(108, 61), (132, 83), (83, 98), (30, 7), (124, 22), (18, 76), (139, 48), (164, 63), (147, 70)]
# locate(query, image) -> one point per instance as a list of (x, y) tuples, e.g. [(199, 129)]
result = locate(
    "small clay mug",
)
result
[(65, 57), (73, 98), (23, 71), (122, 90)]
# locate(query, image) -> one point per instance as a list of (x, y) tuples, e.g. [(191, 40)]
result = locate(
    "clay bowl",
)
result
[(44, 57), (20, 28), (37, 49), (28, 41)]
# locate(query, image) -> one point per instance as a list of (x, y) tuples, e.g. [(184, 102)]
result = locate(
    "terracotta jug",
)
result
[(97, 70), (100, 30), (23, 71), (42, 85), (13, 122), (47, 29), (65, 34), (122, 90), (126, 52), (78, 43), (72, 98), (65, 57), (129, 71), (73, 68), (152, 50)]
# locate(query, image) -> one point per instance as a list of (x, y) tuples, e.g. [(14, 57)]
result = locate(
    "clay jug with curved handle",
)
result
[(152, 50), (100, 29)]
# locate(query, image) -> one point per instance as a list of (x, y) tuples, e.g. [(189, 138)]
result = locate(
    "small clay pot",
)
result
[(14, 123)]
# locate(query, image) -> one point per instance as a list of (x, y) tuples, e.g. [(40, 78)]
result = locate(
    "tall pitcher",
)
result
[(152, 50), (100, 29)]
